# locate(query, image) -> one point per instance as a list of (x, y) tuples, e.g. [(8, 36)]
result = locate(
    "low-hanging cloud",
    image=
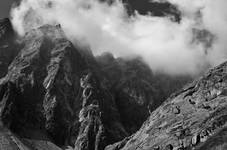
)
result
[(184, 47)]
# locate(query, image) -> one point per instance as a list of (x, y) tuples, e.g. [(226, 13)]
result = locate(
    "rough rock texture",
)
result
[(8, 141), (194, 118), (43, 96), (92, 133), (217, 142), (137, 90)]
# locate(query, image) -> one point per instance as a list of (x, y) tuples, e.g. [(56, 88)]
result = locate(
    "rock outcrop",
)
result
[(193, 118), (44, 98), (92, 131)]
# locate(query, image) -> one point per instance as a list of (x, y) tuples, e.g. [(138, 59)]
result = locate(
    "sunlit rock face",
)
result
[(194, 118)]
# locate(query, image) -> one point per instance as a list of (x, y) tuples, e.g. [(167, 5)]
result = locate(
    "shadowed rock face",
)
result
[(43, 96), (137, 90), (8, 47), (195, 117)]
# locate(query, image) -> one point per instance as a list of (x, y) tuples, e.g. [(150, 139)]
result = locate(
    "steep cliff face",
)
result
[(44, 98), (194, 118)]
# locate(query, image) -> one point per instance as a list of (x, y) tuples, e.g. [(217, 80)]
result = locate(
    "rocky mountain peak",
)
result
[(57, 95), (50, 94)]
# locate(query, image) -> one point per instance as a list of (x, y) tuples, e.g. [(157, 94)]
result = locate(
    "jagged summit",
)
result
[(56, 95), (45, 96), (42, 95), (56, 92)]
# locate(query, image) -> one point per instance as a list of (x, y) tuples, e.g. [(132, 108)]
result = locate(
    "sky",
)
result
[(5, 6)]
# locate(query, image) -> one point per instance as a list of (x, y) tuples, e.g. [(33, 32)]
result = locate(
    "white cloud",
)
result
[(165, 45)]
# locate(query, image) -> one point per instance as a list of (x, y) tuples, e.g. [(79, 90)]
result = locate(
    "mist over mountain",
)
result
[(186, 46), (113, 75), (55, 95)]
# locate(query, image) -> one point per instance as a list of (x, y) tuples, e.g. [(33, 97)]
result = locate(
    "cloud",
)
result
[(184, 47)]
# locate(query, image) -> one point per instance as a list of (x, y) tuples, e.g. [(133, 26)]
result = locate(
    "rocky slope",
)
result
[(56, 95), (194, 118)]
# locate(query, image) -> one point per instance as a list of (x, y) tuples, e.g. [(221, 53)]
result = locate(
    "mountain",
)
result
[(57, 95), (50, 94), (193, 118)]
